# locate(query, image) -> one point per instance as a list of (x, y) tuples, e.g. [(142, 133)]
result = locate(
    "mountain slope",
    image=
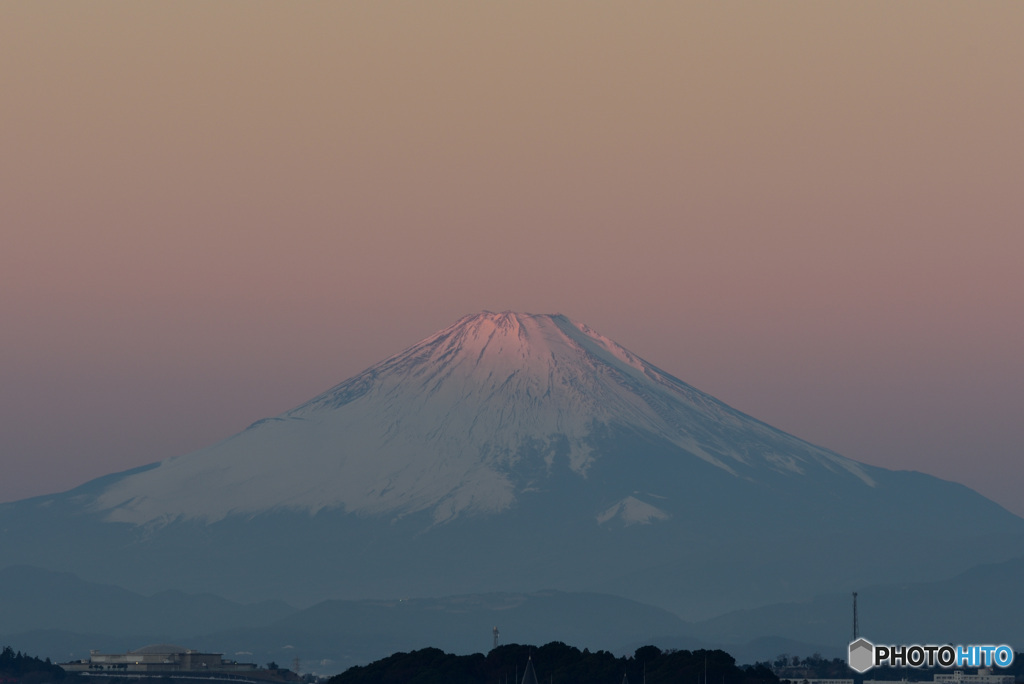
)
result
[(62, 617), (35, 599), (981, 605), (451, 424), (511, 452)]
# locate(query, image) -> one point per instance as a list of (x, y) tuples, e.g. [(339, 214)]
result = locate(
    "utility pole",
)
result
[(856, 627)]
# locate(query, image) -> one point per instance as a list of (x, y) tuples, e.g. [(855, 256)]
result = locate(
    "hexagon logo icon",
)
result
[(862, 655)]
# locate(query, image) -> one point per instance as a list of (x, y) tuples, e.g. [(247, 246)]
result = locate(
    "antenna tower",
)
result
[(495, 638), (856, 627)]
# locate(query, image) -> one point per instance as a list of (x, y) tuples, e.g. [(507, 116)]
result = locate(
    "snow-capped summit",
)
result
[(457, 424), (511, 452)]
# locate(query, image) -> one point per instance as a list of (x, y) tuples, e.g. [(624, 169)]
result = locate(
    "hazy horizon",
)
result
[(811, 212)]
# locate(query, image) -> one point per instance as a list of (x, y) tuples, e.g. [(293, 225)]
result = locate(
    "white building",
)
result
[(984, 676), (158, 658)]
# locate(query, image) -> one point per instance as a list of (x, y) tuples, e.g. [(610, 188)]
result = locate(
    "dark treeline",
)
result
[(557, 663), (27, 669)]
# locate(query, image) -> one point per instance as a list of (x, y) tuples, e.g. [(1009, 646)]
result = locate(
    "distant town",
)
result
[(506, 664)]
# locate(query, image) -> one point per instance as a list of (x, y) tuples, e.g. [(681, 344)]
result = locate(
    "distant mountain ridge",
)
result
[(333, 635), (980, 605), (63, 617), (34, 599), (512, 452)]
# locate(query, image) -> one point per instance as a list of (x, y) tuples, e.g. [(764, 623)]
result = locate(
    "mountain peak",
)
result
[(511, 451), (464, 423), (516, 338)]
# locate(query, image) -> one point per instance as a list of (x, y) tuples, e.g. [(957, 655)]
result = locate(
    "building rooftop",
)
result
[(159, 648)]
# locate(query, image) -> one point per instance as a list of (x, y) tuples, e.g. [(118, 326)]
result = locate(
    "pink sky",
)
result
[(211, 212)]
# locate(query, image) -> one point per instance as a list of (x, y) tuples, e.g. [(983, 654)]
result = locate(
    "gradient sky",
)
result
[(212, 211)]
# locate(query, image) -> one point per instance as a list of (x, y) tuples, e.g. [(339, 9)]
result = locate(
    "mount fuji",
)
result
[(512, 452)]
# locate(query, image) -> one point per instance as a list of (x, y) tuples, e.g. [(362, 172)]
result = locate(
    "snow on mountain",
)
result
[(450, 425), (511, 452), (632, 511)]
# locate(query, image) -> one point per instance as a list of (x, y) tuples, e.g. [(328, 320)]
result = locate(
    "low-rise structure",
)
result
[(984, 676), (158, 658)]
